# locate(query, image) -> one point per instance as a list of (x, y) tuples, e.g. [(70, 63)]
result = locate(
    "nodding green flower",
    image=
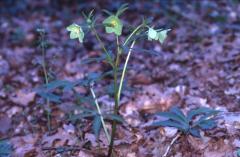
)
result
[(113, 25), (159, 35), (76, 32), (162, 35), (152, 34)]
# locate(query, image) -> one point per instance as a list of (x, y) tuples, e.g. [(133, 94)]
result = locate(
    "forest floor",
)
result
[(197, 66)]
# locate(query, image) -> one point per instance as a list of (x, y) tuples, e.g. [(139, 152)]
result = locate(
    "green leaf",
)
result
[(162, 35), (94, 76), (80, 116), (195, 132), (96, 125), (122, 8), (96, 59), (179, 113), (107, 12), (5, 149), (152, 34), (113, 25), (50, 96), (114, 117), (202, 110), (76, 32), (207, 124), (66, 85), (171, 116), (169, 123)]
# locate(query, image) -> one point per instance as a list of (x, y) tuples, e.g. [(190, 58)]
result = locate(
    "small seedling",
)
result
[(195, 120)]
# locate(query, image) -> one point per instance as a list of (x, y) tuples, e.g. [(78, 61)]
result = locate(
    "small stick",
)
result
[(172, 142)]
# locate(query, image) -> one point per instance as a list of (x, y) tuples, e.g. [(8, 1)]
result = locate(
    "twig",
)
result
[(172, 142)]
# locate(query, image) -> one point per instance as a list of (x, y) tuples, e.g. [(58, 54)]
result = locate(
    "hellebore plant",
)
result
[(114, 25)]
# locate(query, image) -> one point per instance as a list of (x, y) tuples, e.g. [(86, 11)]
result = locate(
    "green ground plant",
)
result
[(117, 59), (190, 124), (195, 120)]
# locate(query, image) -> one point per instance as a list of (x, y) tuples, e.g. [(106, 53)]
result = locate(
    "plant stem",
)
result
[(131, 35), (124, 71), (116, 102), (109, 59), (100, 113), (118, 89), (46, 80)]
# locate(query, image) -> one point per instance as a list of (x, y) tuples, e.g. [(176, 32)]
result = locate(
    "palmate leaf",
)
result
[(113, 25), (76, 32)]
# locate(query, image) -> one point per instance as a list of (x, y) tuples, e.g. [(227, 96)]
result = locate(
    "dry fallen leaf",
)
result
[(23, 98), (24, 146), (61, 138)]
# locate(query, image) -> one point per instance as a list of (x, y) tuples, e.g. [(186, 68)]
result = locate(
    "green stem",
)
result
[(46, 82), (115, 70), (131, 35), (100, 113), (109, 59), (124, 71), (119, 89)]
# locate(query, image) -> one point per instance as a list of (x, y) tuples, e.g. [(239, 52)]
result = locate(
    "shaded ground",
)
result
[(197, 66)]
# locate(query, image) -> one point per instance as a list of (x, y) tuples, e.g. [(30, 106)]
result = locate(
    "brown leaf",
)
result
[(23, 98)]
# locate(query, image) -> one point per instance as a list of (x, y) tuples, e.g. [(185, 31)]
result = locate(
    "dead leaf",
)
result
[(61, 138), (23, 98)]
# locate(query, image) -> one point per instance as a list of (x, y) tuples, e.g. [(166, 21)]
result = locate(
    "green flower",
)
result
[(152, 34), (159, 35), (76, 32), (162, 35), (113, 25)]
